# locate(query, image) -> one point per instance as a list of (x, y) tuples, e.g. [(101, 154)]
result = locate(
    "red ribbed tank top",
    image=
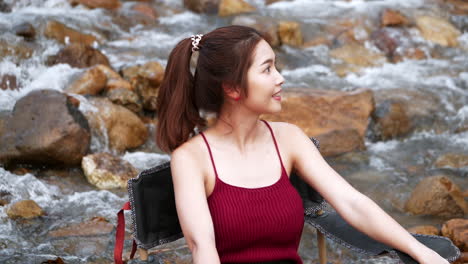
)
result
[(256, 224)]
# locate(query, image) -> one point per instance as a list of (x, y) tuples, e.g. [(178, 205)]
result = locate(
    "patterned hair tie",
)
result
[(195, 41)]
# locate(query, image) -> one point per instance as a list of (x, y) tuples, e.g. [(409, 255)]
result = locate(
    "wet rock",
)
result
[(8, 82), (387, 40), (114, 80), (358, 55), (391, 120), (203, 6), (61, 133), (20, 50), (266, 26), (340, 141), (63, 34), (452, 160), (269, 2), (319, 112), (425, 230), (107, 171), (58, 260), (145, 10), (234, 7), (124, 129), (290, 33), (5, 197), (438, 30), (321, 40), (25, 30), (92, 82), (457, 231), (439, 196), (26, 209), (79, 56), (146, 79), (458, 7), (125, 98), (4, 7), (92, 227), (392, 17), (106, 4)]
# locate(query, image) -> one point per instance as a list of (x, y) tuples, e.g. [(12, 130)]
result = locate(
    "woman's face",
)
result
[(264, 81)]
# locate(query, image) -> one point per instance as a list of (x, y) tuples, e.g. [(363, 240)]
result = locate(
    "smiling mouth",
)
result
[(277, 94)]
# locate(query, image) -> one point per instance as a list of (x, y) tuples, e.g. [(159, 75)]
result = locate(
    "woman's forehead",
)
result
[(263, 52)]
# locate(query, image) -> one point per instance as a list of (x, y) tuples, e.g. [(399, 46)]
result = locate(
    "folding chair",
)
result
[(155, 221)]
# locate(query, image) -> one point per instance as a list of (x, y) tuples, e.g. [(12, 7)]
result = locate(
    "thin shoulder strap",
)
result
[(211, 155), (274, 140)]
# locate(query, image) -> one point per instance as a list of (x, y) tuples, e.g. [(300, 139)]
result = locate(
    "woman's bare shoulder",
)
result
[(284, 130), (191, 149)]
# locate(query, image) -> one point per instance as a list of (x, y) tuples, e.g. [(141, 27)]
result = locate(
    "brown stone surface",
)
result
[(358, 55), (202, 6), (61, 32), (392, 17), (425, 230), (318, 112), (8, 82), (61, 133), (26, 209), (146, 10), (114, 80), (124, 129), (439, 196), (290, 33), (92, 82), (438, 30), (234, 7), (20, 50), (93, 227), (25, 30), (457, 231), (391, 119), (107, 4), (126, 98), (452, 160), (80, 56), (107, 171), (266, 26), (458, 7)]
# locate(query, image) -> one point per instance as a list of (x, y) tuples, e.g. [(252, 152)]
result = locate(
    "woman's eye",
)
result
[(268, 69)]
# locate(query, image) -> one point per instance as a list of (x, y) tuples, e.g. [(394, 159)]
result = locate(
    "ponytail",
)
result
[(178, 114)]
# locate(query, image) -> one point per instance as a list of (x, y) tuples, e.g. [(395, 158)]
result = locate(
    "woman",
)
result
[(233, 196)]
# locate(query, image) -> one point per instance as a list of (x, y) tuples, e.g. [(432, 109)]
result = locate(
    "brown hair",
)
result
[(225, 56)]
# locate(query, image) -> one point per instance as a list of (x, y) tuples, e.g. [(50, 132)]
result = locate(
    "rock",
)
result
[(290, 33), (124, 129), (340, 141), (266, 26), (387, 40), (93, 227), (452, 160), (358, 55), (125, 98), (234, 7), (92, 82), (4, 7), (146, 79), (458, 7), (26, 209), (391, 120), (79, 56), (457, 231), (438, 30), (322, 113), (321, 40), (19, 49), (203, 6), (114, 80), (106, 4), (391, 17), (61, 133), (66, 35), (8, 82), (107, 171), (425, 230), (146, 10), (25, 30), (439, 196), (269, 2), (5, 197)]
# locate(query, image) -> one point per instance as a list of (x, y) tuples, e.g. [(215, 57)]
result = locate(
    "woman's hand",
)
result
[(429, 256)]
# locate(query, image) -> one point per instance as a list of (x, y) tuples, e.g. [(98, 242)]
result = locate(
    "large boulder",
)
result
[(25, 30), (234, 7), (391, 120), (438, 30), (266, 26), (425, 230), (452, 160), (93, 227), (390, 17), (457, 231), (439, 196), (358, 55), (19, 49), (106, 4), (65, 35), (8, 82), (91, 82), (26, 209), (45, 127), (114, 80), (79, 56), (202, 6), (123, 127), (328, 115), (290, 33), (107, 171), (126, 98)]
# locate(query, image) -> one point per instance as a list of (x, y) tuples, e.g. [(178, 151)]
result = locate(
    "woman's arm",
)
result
[(357, 209), (192, 207)]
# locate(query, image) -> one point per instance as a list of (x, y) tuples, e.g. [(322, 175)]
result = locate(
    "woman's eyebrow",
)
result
[(267, 61)]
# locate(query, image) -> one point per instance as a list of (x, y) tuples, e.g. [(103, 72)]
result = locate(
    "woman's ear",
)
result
[(231, 91)]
